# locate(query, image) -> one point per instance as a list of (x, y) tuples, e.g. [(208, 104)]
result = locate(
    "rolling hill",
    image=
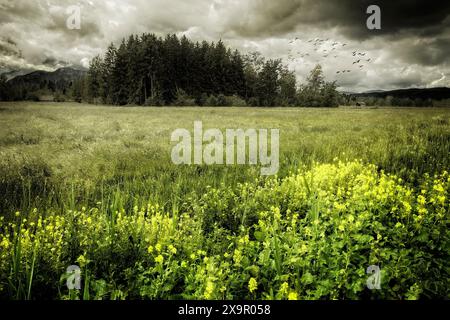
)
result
[(413, 93), (66, 74)]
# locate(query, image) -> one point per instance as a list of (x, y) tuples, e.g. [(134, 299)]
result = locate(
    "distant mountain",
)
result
[(41, 85), (414, 93), (11, 74), (373, 91), (66, 74)]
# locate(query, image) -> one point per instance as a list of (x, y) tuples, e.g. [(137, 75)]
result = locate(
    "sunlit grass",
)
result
[(95, 186), (59, 156)]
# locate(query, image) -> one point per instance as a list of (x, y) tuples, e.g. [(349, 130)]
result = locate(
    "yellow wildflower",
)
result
[(439, 188), (82, 260), (209, 290), (237, 257), (292, 296), (284, 288), (172, 249), (252, 285), (421, 200), (4, 243), (159, 259)]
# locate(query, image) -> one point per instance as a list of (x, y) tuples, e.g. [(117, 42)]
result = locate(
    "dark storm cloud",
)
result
[(427, 52), (52, 62), (266, 17), (8, 47), (422, 27), (263, 18), (410, 50), (419, 18)]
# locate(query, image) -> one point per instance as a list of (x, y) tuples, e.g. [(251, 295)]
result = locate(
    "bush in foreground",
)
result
[(309, 236)]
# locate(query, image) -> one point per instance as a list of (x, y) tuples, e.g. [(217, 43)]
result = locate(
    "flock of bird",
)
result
[(326, 48)]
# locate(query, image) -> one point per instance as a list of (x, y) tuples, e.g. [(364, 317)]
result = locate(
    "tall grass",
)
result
[(63, 157), (68, 160)]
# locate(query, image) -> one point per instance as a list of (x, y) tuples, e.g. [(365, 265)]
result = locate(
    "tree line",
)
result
[(393, 101), (156, 71), (32, 91)]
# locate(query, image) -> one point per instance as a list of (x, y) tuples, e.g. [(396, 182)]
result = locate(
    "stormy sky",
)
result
[(410, 50)]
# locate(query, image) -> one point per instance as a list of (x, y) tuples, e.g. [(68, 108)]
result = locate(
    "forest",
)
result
[(154, 71), (148, 70)]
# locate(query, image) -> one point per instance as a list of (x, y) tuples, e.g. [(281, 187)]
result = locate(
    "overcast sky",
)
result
[(411, 50)]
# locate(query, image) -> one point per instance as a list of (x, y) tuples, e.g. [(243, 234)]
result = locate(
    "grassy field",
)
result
[(99, 188), (59, 156)]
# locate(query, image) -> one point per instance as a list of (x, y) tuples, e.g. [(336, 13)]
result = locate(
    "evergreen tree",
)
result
[(119, 77), (77, 90), (3, 88), (237, 76), (95, 79), (149, 70), (267, 88), (288, 88), (151, 66), (107, 71), (133, 77)]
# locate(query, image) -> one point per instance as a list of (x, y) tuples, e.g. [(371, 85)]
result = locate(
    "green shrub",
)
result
[(183, 99), (212, 101), (311, 235), (59, 97), (156, 101), (253, 102), (222, 101), (236, 101), (32, 97)]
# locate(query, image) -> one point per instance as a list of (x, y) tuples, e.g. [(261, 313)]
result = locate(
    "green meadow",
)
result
[(95, 186)]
